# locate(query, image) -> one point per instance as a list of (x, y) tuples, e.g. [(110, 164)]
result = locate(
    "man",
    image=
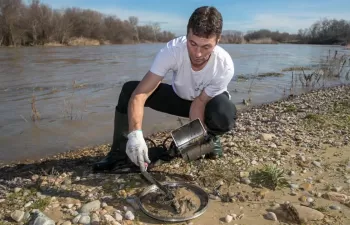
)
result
[(201, 73)]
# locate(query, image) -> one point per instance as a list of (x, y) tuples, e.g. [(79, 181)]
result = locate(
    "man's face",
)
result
[(200, 48)]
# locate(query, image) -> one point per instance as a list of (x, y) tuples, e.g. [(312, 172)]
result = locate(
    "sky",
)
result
[(242, 15)]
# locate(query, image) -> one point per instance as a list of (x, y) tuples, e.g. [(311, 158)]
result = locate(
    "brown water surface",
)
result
[(76, 90)]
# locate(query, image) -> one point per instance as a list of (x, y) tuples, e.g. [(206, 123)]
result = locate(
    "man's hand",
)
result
[(198, 107), (137, 150)]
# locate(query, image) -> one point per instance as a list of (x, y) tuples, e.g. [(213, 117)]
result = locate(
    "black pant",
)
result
[(219, 115)]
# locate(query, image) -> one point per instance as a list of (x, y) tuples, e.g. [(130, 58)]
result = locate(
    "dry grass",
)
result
[(53, 44), (82, 41), (262, 41), (35, 113)]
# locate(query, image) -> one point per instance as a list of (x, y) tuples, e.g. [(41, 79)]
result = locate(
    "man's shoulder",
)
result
[(178, 42), (223, 56)]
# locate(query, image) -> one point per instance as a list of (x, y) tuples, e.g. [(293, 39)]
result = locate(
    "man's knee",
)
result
[(220, 115), (125, 94)]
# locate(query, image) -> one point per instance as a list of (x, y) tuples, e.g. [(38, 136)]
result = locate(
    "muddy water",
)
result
[(76, 90)]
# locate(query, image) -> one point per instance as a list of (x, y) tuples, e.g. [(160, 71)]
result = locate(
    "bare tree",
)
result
[(134, 23)]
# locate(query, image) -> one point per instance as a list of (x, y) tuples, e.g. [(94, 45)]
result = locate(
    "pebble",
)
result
[(129, 215), (271, 216), (337, 189), (294, 186), (118, 216), (76, 219), (17, 215), (348, 181), (17, 189), (335, 207), (91, 206), (67, 223), (228, 218), (85, 219), (317, 163), (292, 173), (246, 180)]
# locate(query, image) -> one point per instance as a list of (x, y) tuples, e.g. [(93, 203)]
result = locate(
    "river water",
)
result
[(76, 90)]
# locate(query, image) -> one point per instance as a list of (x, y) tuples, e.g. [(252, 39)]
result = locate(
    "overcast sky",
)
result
[(242, 15)]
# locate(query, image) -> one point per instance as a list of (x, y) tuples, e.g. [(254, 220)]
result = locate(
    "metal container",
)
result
[(191, 140)]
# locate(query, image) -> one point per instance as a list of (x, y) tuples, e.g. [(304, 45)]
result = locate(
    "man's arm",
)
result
[(137, 101), (198, 107)]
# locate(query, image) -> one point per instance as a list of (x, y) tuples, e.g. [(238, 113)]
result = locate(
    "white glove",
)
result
[(137, 150)]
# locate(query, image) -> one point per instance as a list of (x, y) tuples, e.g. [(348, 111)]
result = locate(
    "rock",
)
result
[(118, 216), (76, 218), (85, 219), (337, 189), (335, 207), (17, 215), (316, 163), (271, 216), (244, 174), (334, 196), (245, 180), (294, 186), (292, 173), (110, 219), (266, 137), (95, 219), (40, 218), (308, 214), (306, 186), (17, 189), (66, 223), (228, 218), (91, 206), (129, 215)]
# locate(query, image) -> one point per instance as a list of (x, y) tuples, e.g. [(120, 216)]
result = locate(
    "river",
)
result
[(76, 90)]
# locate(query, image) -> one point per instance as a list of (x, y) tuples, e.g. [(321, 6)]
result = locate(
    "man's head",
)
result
[(203, 33)]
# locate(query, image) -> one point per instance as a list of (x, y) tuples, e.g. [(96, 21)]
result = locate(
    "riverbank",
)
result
[(303, 141)]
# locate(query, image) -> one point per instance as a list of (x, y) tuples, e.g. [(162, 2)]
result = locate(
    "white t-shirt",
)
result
[(187, 83)]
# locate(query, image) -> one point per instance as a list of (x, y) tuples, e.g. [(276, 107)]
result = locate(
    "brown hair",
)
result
[(205, 21)]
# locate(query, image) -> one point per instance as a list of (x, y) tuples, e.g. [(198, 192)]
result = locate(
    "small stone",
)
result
[(254, 162), (91, 206), (67, 223), (292, 173), (85, 219), (17, 215), (266, 137), (309, 199), (118, 216), (335, 207), (335, 196), (76, 219), (246, 180), (2, 200), (77, 179), (306, 186), (294, 186), (348, 181), (17, 189), (228, 218), (271, 216), (244, 174), (28, 204), (129, 215), (317, 163), (337, 189)]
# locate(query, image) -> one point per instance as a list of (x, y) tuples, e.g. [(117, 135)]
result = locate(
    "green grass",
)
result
[(270, 177), (290, 108), (270, 74), (295, 68)]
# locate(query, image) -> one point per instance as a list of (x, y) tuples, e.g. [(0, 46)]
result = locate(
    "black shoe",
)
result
[(117, 154), (110, 161)]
